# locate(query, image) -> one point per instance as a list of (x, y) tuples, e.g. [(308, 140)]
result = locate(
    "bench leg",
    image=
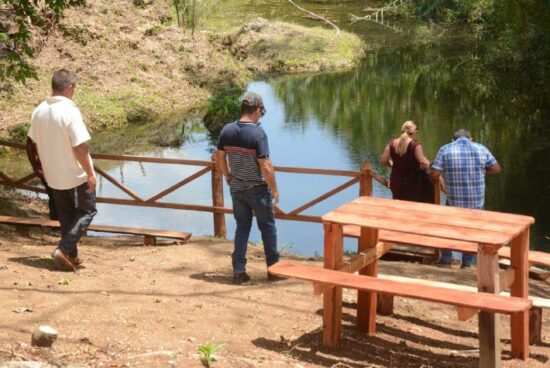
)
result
[(535, 326), (149, 241), (366, 302), (384, 304), (519, 329), (489, 327), (332, 298)]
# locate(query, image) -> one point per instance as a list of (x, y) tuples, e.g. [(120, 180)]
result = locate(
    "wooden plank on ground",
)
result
[(535, 257), (475, 300), (41, 222)]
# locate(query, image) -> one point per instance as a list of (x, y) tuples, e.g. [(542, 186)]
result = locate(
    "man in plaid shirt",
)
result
[(464, 165)]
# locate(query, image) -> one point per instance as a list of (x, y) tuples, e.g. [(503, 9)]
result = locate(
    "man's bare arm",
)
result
[(82, 155), (437, 179), (268, 173), (492, 170), (220, 158)]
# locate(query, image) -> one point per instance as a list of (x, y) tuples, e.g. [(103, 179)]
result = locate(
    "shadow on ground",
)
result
[(46, 263), (358, 350)]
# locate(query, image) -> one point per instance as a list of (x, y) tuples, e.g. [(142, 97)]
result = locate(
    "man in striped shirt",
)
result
[(251, 179), (464, 165)]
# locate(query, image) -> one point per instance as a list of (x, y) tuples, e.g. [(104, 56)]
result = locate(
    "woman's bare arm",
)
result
[(385, 158), (422, 160)]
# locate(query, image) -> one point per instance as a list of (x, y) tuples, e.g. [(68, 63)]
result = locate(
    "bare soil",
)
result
[(153, 306)]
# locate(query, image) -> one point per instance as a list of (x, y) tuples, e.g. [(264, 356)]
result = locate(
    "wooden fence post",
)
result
[(437, 191), (220, 229), (365, 185), (437, 200)]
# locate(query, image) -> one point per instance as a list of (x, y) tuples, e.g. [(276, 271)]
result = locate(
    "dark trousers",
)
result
[(51, 201), (258, 201), (75, 209)]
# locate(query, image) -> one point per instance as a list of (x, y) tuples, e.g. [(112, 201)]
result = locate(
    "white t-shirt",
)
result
[(57, 127)]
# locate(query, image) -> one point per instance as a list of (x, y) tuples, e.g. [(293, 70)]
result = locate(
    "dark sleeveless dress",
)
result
[(407, 180)]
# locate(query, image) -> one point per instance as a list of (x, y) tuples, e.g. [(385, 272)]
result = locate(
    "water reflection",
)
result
[(366, 107)]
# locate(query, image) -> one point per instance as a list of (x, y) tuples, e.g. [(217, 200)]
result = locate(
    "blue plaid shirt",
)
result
[(463, 164)]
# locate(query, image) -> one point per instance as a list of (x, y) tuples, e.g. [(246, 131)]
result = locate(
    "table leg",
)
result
[(332, 298), (366, 302), (519, 257), (489, 328)]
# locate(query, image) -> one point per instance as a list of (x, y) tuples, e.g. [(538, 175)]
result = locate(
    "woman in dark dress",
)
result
[(408, 179)]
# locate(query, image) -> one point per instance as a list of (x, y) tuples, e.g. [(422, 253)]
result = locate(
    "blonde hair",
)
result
[(408, 128)]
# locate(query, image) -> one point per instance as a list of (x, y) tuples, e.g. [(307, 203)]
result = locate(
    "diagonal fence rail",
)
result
[(364, 177)]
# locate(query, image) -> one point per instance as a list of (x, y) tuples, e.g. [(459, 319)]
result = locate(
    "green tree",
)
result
[(19, 21)]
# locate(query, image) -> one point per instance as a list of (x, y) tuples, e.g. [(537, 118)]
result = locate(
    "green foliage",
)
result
[(223, 107), (77, 33), (206, 352), (18, 132), (17, 19), (192, 13)]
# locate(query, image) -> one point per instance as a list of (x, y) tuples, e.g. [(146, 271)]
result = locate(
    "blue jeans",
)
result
[(255, 200), (467, 259)]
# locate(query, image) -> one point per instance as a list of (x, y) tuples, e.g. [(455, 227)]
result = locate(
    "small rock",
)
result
[(43, 336), (22, 310)]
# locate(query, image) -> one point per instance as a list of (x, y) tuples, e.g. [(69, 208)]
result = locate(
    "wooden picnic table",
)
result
[(490, 230)]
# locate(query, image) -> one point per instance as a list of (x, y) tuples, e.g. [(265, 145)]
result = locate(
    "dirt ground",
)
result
[(136, 306), (153, 306)]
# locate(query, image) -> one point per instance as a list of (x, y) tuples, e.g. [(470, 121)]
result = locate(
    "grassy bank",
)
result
[(136, 66)]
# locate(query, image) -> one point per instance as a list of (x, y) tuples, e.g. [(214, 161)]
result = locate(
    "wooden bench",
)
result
[(535, 313), (385, 302), (467, 300), (150, 236), (535, 257)]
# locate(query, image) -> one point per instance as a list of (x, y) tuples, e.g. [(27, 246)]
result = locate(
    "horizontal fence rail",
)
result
[(364, 177)]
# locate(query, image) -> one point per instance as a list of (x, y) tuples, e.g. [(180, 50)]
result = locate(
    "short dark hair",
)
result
[(249, 110), (461, 133), (62, 79)]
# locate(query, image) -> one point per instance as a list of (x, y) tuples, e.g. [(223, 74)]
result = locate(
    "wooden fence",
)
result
[(364, 177)]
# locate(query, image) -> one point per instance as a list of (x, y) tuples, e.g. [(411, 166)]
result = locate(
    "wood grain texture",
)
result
[(379, 221), (519, 260), (40, 222), (366, 301), (488, 322), (482, 301), (332, 298)]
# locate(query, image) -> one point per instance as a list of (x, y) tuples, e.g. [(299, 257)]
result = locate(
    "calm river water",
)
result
[(338, 121)]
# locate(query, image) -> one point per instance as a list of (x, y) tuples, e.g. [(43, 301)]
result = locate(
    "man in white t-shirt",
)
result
[(60, 136)]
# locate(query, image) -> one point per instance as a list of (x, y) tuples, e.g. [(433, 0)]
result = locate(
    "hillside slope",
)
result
[(135, 64)]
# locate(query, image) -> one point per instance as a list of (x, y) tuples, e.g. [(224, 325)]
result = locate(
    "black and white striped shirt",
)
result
[(244, 144)]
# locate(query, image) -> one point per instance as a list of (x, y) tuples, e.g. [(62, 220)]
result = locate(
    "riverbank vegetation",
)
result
[(511, 58), (136, 65)]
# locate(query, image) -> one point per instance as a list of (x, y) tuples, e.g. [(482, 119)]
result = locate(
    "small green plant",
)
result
[(18, 133), (206, 352), (286, 248)]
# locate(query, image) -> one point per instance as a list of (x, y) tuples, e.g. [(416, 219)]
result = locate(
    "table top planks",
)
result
[(478, 226)]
